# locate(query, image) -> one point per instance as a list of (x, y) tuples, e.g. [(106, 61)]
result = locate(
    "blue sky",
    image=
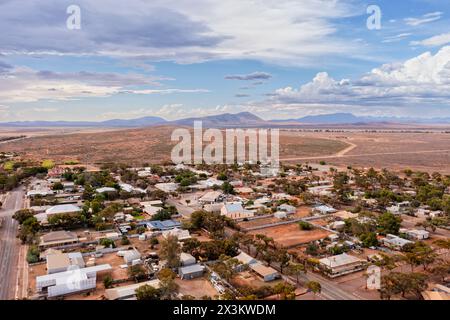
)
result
[(278, 59)]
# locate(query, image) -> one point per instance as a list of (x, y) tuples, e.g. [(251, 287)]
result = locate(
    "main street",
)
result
[(9, 244)]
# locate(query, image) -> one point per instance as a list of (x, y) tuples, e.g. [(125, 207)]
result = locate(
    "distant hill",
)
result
[(242, 119), (349, 118), (223, 120), (116, 123)]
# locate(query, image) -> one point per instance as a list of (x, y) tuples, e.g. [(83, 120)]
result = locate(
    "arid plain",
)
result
[(395, 149)]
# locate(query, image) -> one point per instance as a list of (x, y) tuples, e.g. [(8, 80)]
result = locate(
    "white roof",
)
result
[(211, 196), (60, 277), (105, 189), (64, 208), (245, 258), (128, 291), (339, 260)]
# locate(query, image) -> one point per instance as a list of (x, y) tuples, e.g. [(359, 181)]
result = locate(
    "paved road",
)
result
[(183, 209), (9, 245)]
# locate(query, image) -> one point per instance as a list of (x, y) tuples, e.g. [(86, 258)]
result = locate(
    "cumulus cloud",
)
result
[(426, 18), (423, 81), (435, 41), (285, 31), (250, 76)]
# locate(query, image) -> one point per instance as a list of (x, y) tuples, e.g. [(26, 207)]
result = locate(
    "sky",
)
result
[(279, 59)]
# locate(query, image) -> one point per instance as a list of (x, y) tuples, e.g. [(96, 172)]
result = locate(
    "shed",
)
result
[(191, 272)]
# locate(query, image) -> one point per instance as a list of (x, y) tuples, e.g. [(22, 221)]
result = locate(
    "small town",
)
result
[(245, 231)]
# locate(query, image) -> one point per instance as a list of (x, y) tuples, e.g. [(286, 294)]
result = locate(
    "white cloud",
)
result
[(421, 82), (283, 31), (45, 109), (426, 18), (396, 38), (435, 41), (22, 84), (164, 91)]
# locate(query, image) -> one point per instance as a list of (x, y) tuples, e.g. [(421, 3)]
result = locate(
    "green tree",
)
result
[(170, 251), (147, 292), (388, 223), (314, 287)]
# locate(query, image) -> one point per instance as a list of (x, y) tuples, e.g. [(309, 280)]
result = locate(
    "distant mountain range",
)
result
[(241, 119)]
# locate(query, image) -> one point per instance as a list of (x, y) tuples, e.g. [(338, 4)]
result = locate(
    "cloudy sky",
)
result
[(178, 58)]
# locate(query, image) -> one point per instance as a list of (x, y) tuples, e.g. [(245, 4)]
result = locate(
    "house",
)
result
[(105, 190), (162, 225), (130, 189), (213, 208), (280, 214), (287, 208), (399, 208), (417, 234), (61, 262), (57, 239), (71, 281), (129, 256), (338, 225), (341, 264), (394, 242), (63, 209), (181, 234), (151, 210), (129, 292), (69, 186), (234, 210), (191, 272), (245, 260), (186, 259), (211, 197), (167, 187), (267, 273), (323, 209), (244, 190), (437, 292)]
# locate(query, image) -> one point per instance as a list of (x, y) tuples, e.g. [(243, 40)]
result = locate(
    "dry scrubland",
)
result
[(427, 151), (151, 145)]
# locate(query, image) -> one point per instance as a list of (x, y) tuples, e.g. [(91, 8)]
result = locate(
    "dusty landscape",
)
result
[(426, 150)]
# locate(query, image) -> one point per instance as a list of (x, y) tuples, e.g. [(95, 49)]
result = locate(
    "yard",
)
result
[(290, 235)]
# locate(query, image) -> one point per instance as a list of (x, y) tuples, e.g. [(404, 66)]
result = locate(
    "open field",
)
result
[(427, 150), (151, 145), (196, 287), (290, 235)]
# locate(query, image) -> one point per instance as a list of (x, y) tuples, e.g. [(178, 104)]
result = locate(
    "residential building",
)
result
[(57, 239), (71, 281), (342, 264), (234, 210), (129, 292), (394, 242), (267, 273), (191, 272)]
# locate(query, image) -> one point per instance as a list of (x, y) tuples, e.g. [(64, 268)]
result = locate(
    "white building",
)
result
[(68, 282), (339, 265), (234, 210), (181, 234), (394, 242), (211, 197), (186, 259), (62, 209)]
